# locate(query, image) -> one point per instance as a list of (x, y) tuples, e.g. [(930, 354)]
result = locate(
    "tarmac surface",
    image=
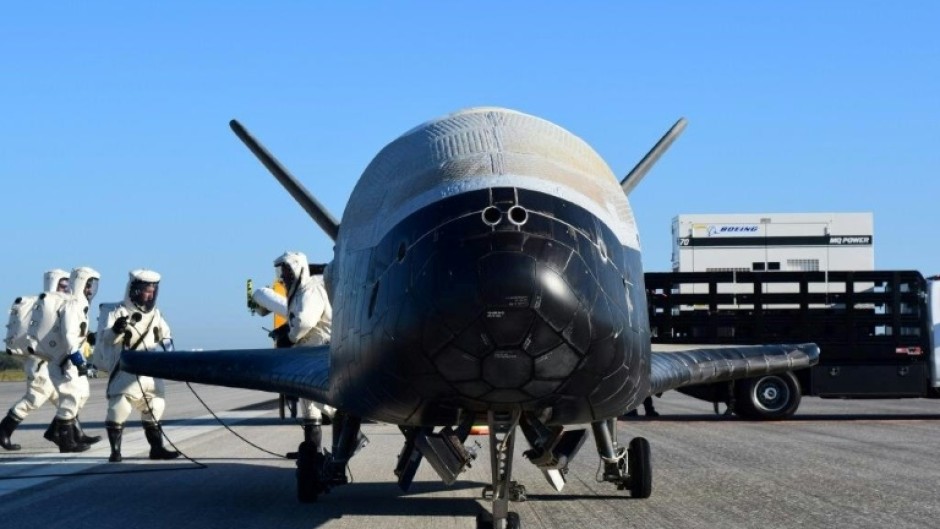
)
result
[(857, 464)]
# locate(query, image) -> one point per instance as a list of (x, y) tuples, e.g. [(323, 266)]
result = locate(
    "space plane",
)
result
[(487, 270)]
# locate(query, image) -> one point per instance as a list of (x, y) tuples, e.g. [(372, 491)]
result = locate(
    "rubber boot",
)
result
[(49, 434), (9, 423), (65, 437), (154, 435), (115, 432), (80, 434)]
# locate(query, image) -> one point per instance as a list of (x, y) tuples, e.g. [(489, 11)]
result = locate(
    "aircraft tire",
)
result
[(641, 468), (485, 521), (767, 398)]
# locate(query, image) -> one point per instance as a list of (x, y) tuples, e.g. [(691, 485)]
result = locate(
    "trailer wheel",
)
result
[(768, 398)]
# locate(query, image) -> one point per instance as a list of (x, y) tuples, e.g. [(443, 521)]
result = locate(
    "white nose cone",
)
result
[(482, 148)]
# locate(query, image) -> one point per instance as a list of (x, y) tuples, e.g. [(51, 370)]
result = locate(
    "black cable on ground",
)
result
[(236, 434)]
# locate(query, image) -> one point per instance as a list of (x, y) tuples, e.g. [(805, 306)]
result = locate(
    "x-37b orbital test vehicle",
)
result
[(486, 271)]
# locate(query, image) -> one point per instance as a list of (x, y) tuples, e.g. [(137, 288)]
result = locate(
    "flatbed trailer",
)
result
[(875, 330)]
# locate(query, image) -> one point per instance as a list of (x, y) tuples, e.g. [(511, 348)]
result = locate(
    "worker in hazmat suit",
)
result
[(135, 324), (265, 301), (309, 323), (39, 388), (58, 336)]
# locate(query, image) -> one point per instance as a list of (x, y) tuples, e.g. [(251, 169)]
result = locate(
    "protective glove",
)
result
[(279, 335), (283, 342), (120, 325), (79, 362), (282, 329)]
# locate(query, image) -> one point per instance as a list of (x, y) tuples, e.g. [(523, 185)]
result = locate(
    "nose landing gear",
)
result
[(503, 490)]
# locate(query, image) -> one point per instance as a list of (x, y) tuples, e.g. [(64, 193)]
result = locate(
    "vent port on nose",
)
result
[(492, 215), (518, 215)]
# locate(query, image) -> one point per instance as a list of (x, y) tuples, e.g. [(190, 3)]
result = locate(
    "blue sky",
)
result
[(115, 150)]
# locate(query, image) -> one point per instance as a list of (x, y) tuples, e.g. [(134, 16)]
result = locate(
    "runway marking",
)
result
[(17, 468)]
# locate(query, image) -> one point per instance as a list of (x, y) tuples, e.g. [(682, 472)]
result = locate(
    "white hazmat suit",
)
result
[(309, 323), (39, 387), (58, 337), (309, 316), (134, 324)]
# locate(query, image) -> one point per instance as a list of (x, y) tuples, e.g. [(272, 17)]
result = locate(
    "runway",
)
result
[(846, 464)]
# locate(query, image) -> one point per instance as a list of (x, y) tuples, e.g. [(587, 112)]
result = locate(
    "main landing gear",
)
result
[(318, 470), (629, 468)]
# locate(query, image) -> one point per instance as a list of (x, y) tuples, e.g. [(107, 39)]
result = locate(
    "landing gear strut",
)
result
[(503, 490), (629, 468)]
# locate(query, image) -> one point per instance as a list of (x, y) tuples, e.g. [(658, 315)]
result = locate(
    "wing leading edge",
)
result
[(671, 370), (301, 371)]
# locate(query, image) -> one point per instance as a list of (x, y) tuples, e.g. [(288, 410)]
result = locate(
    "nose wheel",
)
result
[(485, 521)]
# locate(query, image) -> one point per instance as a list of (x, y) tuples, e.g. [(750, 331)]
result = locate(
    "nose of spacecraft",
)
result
[(508, 297)]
